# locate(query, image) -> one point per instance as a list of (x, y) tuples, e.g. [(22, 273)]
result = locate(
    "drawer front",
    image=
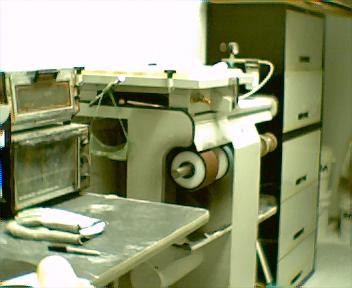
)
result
[(303, 99), (304, 41), (300, 163), (296, 265), (298, 219)]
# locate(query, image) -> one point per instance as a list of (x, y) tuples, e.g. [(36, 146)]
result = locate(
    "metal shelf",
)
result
[(267, 207)]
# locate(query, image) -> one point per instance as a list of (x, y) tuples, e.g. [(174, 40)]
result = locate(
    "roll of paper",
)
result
[(202, 168), (224, 155), (268, 143)]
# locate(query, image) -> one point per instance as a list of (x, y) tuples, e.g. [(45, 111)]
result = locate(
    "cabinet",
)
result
[(292, 39)]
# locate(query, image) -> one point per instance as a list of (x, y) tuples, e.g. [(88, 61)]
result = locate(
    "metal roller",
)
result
[(268, 143)]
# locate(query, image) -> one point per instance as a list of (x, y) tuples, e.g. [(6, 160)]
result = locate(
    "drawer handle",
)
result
[(304, 59), (323, 168), (294, 279), (303, 115), (298, 234), (301, 179)]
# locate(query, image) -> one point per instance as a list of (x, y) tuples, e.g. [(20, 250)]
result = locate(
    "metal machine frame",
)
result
[(228, 241)]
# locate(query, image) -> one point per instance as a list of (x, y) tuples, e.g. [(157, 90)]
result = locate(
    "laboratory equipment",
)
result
[(191, 140)]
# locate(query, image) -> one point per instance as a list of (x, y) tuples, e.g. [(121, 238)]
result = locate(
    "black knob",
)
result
[(170, 73)]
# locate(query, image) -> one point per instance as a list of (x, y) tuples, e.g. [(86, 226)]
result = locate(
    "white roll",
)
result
[(204, 168), (193, 170), (223, 160), (148, 274)]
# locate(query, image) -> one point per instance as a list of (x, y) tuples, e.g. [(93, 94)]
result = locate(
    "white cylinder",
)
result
[(147, 275), (199, 169), (223, 154), (206, 167)]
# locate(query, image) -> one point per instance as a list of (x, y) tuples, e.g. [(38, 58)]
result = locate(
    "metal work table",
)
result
[(136, 230)]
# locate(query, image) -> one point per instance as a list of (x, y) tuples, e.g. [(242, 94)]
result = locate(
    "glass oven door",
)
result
[(45, 163)]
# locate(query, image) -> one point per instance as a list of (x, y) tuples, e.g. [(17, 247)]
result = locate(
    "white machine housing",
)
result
[(202, 113)]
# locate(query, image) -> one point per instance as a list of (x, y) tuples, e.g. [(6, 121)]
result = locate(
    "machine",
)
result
[(190, 138), (42, 155)]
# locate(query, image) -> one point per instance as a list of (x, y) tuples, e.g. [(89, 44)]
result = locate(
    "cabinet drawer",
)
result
[(300, 163), (303, 96), (297, 265), (304, 41), (297, 218)]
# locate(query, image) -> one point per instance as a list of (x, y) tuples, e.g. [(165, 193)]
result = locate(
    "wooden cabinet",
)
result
[(292, 39)]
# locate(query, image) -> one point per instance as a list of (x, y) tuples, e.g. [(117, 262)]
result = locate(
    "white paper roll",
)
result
[(200, 167), (204, 168), (223, 161)]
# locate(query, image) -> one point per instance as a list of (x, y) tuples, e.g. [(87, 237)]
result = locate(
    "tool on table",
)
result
[(59, 247)]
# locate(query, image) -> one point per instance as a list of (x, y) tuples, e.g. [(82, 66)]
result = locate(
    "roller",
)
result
[(268, 143), (148, 275), (194, 170)]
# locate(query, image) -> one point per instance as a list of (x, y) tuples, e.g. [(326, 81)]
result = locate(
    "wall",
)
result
[(46, 34), (337, 113), (103, 34)]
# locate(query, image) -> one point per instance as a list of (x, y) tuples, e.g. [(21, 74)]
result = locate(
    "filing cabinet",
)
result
[(300, 163), (297, 219), (292, 39), (303, 41), (295, 266), (302, 105)]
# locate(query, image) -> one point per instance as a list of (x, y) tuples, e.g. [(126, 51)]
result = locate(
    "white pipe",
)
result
[(149, 275)]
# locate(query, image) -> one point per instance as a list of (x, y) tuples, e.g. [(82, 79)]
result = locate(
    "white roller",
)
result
[(197, 178), (223, 160), (192, 170), (150, 275)]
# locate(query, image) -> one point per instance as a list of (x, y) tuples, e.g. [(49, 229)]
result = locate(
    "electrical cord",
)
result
[(264, 81), (107, 90)]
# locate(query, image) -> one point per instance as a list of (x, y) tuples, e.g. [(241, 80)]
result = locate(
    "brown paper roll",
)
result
[(268, 143), (212, 165), (204, 168)]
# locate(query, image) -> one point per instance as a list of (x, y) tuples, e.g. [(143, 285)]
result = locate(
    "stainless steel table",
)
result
[(136, 230)]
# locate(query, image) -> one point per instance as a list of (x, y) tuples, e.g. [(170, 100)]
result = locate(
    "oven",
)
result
[(40, 98), (43, 164)]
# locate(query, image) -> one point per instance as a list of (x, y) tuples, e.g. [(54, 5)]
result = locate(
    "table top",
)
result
[(136, 230)]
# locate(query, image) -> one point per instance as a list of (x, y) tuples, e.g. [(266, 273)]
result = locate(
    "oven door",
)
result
[(47, 163), (40, 98)]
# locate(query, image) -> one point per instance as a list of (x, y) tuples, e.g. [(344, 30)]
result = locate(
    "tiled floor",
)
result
[(334, 263)]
